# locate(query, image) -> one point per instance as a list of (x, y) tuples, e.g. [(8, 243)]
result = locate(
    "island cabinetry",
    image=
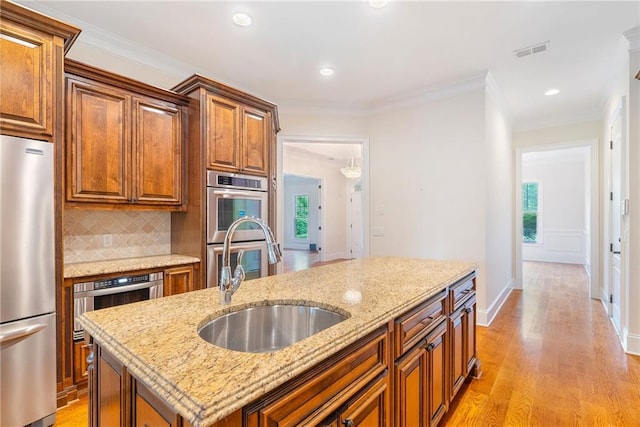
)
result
[(420, 369), (125, 142), (32, 48), (462, 329), (351, 385), (151, 411)]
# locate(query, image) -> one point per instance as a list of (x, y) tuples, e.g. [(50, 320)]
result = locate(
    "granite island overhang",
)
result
[(157, 340)]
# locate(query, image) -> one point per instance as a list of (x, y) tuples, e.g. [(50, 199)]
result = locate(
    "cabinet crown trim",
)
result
[(23, 14), (197, 81), (80, 69)]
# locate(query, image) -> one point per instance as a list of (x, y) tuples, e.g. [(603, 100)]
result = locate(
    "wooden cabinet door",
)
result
[(410, 389), (469, 321), (157, 152), (436, 381), (254, 146), (370, 408), (99, 143), (26, 81), (109, 394), (178, 280), (147, 416), (458, 362), (222, 133), (81, 352)]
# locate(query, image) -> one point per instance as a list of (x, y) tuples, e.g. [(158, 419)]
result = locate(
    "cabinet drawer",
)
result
[(414, 325), (460, 291), (322, 390)]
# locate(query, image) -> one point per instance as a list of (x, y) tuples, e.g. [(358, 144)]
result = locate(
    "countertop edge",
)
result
[(121, 265)]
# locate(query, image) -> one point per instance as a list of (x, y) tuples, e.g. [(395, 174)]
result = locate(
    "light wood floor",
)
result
[(550, 358), (295, 260)]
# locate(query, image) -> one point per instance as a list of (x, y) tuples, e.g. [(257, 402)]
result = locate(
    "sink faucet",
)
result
[(229, 284)]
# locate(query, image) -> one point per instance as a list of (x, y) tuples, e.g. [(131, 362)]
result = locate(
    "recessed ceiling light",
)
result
[(378, 3), (552, 92), (326, 71), (242, 19)]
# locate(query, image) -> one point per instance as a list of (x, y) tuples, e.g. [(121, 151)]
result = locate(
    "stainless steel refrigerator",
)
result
[(27, 283)]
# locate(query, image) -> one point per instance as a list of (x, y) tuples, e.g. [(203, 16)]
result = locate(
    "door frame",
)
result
[(594, 226), (316, 139), (622, 329)]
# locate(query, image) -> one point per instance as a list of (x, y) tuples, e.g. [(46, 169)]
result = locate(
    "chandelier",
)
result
[(352, 170)]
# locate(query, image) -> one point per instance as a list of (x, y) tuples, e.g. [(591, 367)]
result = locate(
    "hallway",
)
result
[(551, 358)]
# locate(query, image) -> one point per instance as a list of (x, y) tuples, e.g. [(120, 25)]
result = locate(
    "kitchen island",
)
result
[(155, 343)]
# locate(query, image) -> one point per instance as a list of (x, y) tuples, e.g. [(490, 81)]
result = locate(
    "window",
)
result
[(530, 212), (302, 216)]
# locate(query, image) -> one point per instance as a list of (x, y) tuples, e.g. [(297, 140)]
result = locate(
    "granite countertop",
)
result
[(157, 339), (93, 268)]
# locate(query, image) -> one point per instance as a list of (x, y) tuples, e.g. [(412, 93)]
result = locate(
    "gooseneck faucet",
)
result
[(229, 284)]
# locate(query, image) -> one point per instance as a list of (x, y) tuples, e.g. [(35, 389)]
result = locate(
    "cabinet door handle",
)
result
[(467, 310), (431, 346), (348, 423)]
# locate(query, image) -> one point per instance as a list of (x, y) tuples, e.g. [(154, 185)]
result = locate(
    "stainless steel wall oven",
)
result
[(89, 296), (231, 196)]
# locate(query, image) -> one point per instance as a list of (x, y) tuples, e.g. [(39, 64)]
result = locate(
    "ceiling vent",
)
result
[(530, 50)]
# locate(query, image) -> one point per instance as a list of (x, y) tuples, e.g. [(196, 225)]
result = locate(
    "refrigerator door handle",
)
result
[(20, 333)]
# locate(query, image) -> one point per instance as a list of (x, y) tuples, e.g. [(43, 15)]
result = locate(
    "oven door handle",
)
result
[(246, 194), (117, 289), (20, 333)]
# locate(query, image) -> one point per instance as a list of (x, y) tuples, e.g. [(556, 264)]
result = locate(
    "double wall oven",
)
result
[(231, 196)]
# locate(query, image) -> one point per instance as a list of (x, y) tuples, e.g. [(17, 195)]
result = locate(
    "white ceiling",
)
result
[(380, 56)]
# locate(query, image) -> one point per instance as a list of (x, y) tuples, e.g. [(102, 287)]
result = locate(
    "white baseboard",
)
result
[(296, 246), (631, 343), (485, 317)]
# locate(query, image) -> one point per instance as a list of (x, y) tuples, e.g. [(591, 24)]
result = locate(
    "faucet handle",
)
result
[(238, 273), (239, 257)]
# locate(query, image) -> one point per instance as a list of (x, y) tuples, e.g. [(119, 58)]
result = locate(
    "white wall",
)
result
[(333, 239), (294, 186), (499, 204), (562, 230), (427, 200)]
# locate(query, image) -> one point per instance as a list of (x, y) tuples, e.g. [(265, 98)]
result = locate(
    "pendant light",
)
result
[(352, 170)]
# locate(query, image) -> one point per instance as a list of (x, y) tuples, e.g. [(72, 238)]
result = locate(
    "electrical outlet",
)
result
[(107, 240)]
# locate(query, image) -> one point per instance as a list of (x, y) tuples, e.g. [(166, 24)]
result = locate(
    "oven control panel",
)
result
[(121, 281)]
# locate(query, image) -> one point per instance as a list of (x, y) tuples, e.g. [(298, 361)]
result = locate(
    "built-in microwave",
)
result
[(231, 196), (254, 260)]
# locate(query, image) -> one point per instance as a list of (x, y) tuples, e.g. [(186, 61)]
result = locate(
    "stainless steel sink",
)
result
[(268, 328)]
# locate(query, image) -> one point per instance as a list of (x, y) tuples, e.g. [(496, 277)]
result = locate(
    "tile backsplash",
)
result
[(93, 235)]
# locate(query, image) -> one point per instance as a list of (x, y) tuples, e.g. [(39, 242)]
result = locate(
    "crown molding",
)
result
[(633, 35), (593, 116), (470, 84)]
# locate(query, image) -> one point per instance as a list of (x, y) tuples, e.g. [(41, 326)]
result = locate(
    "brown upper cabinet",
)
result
[(125, 141), (238, 130), (32, 48)]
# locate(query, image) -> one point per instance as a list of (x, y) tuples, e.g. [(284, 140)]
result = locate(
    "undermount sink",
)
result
[(268, 328)]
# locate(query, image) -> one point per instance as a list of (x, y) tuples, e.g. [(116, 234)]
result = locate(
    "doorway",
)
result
[(549, 228), (323, 158)]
